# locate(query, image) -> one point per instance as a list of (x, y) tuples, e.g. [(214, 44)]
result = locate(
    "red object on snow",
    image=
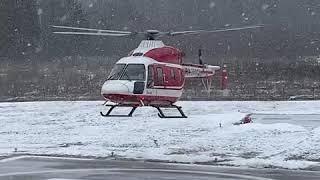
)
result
[(247, 119)]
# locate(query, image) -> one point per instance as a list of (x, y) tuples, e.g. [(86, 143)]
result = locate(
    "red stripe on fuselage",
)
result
[(137, 99)]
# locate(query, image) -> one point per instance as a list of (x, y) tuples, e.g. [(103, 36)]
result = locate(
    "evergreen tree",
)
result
[(20, 28), (6, 34)]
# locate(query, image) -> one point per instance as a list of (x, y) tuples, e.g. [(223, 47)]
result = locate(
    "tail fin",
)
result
[(200, 56), (224, 78)]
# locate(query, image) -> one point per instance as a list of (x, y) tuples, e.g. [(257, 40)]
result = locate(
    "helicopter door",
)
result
[(150, 79), (166, 76)]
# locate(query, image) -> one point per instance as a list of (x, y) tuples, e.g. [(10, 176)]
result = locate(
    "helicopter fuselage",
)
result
[(153, 85), (148, 76)]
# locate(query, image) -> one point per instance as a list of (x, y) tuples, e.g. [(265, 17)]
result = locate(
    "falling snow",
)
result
[(265, 6), (212, 4)]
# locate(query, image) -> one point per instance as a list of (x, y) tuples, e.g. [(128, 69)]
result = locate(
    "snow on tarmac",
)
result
[(76, 128)]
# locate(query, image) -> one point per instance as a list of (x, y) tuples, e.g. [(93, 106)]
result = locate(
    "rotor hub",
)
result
[(152, 34)]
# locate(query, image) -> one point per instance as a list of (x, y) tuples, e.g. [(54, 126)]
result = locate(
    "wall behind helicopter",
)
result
[(36, 62)]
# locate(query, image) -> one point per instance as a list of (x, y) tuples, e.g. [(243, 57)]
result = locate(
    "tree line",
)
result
[(35, 62), (292, 26), (79, 78)]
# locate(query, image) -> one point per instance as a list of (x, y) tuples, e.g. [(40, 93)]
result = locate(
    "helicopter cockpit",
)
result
[(126, 78), (130, 72)]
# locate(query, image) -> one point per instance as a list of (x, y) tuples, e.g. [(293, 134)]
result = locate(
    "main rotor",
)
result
[(148, 34)]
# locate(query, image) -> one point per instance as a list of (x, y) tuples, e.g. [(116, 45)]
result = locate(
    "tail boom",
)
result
[(199, 71)]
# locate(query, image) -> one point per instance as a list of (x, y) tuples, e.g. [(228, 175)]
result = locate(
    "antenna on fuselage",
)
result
[(200, 55)]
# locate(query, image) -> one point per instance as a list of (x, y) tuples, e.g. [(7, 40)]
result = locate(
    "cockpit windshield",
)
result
[(116, 71), (131, 72), (134, 72)]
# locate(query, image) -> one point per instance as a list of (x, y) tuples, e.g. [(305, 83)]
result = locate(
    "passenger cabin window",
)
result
[(150, 81), (159, 76), (173, 76), (134, 72), (178, 74)]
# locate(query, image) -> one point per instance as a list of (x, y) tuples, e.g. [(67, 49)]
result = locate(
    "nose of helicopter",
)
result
[(117, 87)]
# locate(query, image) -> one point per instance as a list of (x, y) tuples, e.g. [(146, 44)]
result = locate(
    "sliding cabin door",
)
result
[(167, 77)]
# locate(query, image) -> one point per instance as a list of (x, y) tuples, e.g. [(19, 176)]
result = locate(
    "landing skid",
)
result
[(108, 114), (160, 114)]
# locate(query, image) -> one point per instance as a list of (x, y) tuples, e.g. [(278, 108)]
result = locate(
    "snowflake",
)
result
[(265, 6), (212, 4)]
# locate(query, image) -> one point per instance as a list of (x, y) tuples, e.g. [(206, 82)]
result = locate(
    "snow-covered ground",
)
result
[(76, 128)]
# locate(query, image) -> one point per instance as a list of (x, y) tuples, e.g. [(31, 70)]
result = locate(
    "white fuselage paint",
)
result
[(125, 87)]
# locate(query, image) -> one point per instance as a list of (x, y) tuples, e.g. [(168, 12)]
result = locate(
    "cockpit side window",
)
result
[(134, 72), (116, 71)]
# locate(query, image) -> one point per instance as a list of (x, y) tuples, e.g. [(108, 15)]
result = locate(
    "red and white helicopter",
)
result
[(152, 74)]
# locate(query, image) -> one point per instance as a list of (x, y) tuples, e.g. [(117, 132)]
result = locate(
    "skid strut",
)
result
[(114, 106), (162, 115)]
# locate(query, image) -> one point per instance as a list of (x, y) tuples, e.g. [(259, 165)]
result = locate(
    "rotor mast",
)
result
[(152, 34)]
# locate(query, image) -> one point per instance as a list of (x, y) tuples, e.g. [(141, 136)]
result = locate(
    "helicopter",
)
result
[(153, 74)]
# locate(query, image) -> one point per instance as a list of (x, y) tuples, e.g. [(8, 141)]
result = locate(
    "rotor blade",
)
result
[(214, 31), (93, 34), (88, 29)]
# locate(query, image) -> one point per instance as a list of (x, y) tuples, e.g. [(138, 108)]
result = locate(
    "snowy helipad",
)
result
[(61, 168), (284, 134)]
